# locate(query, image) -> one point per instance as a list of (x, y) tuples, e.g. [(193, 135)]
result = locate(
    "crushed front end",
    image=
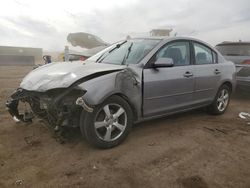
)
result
[(57, 107)]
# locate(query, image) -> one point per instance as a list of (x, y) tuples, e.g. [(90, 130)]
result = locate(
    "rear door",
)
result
[(207, 73), (169, 89)]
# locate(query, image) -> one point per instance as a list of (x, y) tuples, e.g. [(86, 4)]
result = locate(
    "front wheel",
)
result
[(221, 101), (109, 124)]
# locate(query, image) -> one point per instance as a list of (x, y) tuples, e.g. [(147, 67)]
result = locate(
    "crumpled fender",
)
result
[(125, 83), (63, 75)]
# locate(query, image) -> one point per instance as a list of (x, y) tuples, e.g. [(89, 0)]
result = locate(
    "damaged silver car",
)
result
[(130, 81)]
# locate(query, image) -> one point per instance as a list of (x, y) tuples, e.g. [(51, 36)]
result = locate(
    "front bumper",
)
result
[(13, 103), (56, 107)]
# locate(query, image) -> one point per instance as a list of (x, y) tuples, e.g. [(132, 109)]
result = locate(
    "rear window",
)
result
[(203, 55), (234, 49)]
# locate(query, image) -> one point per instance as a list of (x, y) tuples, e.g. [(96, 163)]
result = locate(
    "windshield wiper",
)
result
[(117, 46), (126, 55), (99, 59)]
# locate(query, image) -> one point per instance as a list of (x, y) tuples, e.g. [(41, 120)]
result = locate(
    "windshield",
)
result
[(101, 53), (126, 52), (234, 49)]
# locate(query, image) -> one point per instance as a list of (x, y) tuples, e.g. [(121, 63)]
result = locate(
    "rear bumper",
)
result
[(243, 83)]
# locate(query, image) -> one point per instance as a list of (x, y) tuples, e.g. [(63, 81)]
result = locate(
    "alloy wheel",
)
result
[(222, 100), (110, 122)]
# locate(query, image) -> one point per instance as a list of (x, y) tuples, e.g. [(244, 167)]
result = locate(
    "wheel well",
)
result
[(229, 84), (130, 104)]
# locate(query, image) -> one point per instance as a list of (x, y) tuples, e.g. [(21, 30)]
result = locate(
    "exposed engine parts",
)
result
[(62, 113), (13, 105), (80, 101)]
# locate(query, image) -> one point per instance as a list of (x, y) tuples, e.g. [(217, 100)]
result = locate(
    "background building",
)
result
[(160, 32), (14, 56)]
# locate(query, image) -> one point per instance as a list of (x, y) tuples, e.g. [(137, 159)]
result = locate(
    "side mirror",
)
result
[(164, 62)]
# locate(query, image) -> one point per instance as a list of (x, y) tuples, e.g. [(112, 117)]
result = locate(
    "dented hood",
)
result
[(62, 75)]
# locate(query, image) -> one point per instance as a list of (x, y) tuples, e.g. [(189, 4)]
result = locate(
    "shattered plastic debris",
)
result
[(16, 119), (19, 182), (151, 144), (94, 167), (245, 116)]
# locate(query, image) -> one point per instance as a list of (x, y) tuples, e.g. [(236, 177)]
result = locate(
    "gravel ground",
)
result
[(191, 149)]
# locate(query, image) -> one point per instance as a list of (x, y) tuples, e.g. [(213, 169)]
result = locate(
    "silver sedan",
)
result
[(128, 82)]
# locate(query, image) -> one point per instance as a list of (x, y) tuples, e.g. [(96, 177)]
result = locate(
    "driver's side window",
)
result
[(178, 51)]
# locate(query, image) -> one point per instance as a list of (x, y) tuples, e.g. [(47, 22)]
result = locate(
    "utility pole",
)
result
[(66, 54)]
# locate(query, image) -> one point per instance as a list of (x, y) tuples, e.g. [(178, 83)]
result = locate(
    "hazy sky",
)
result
[(46, 23)]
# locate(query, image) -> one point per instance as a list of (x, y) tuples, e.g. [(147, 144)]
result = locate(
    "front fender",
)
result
[(125, 83)]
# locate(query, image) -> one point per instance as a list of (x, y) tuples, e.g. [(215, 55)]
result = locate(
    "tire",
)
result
[(221, 101), (109, 124)]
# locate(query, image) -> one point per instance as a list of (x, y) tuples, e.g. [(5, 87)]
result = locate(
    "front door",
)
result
[(169, 89)]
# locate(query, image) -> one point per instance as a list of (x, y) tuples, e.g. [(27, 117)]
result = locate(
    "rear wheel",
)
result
[(221, 101), (109, 124)]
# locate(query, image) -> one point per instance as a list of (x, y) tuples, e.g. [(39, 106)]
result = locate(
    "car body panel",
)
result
[(237, 59), (162, 91), (243, 77), (126, 83), (243, 70), (206, 82), (62, 75)]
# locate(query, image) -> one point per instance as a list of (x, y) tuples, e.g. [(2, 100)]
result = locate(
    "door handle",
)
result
[(216, 71), (188, 74)]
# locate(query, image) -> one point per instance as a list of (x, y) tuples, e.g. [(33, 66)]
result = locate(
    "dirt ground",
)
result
[(191, 149)]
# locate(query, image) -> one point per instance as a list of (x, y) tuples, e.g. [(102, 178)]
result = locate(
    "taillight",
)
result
[(82, 58), (246, 62)]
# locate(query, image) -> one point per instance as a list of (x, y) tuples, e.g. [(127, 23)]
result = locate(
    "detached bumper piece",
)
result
[(12, 105)]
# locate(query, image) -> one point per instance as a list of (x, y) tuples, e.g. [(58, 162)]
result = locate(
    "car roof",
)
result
[(168, 38), (172, 38), (152, 38), (233, 43)]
